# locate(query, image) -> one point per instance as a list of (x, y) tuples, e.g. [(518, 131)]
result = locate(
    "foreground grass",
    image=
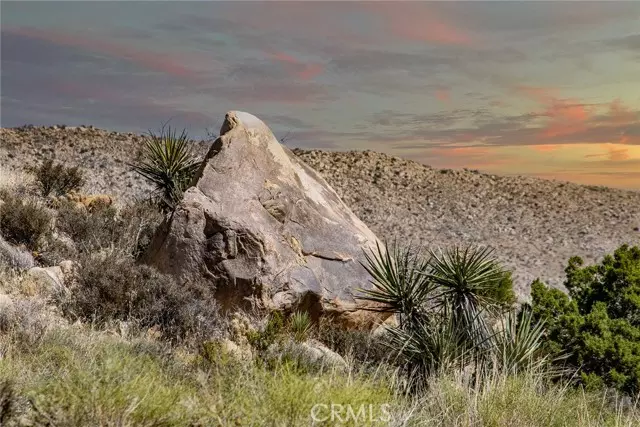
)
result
[(84, 379), (76, 377)]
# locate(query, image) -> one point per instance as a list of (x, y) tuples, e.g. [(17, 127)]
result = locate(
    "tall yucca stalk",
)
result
[(169, 164)]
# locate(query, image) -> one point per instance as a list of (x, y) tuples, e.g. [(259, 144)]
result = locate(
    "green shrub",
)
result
[(112, 288), (598, 324), (24, 221), (169, 164), (502, 294), (273, 329), (56, 178)]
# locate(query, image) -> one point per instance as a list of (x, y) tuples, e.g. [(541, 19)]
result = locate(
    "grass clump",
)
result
[(82, 378), (57, 179), (300, 326)]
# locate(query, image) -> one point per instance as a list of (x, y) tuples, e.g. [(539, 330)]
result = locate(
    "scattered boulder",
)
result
[(264, 227), (318, 353), (54, 279), (310, 353), (15, 257)]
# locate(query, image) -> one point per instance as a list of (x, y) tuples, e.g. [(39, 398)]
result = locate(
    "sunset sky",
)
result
[(550, 89)]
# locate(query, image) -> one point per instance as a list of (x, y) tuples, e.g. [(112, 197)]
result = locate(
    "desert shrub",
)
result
[(598, 324), (112, 288), (57, 178), (445, 305), (24, 221), (14, 257), (502, 293), (7, 401), (169, 164), (90, 230), (273, 329), (128, 231)]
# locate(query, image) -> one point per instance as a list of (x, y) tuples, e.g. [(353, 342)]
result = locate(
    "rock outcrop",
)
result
[(265, 228)]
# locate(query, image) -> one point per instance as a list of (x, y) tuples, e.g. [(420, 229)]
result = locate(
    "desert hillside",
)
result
[(534, 224)]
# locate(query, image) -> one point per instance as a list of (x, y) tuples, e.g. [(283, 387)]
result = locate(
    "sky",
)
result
[(550, 89)]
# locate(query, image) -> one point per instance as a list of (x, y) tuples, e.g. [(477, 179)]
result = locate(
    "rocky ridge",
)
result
[(535, 225)]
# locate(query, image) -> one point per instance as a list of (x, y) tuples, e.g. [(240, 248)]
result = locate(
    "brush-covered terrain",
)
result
[(92, 336), (534, 224)]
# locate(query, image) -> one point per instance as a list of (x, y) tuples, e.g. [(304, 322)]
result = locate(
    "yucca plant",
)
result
[(463, 276), (169, 164), (430, 347), (400, 287), (444, 304), (300, 325), (517, 343)]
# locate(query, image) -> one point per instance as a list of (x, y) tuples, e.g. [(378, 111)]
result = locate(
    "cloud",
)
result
[(419, 22), (162, 62), (298, 68), (443, 95), (631, 42), (557, 122), (284, 92)]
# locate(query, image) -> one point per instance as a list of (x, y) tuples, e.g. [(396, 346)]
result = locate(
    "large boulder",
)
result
[(265, 228)]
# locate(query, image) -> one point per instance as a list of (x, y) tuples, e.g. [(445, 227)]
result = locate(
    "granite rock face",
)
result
[(263, 227)]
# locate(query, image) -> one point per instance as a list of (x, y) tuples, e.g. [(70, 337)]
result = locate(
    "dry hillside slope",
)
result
[(535, 225)]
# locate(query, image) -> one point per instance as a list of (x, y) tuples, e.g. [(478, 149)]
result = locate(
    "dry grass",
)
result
[(76, 376)]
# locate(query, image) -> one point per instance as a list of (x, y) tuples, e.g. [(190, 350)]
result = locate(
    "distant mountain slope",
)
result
[(534, 224)]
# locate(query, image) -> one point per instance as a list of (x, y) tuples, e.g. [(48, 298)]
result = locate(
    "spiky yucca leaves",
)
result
[(169, 164), (300, 325), (430, 347), (517, 344), (463, 276), (399, 283), (444, 305)]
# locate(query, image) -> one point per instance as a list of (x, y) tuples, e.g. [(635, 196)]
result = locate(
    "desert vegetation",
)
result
[(121, 344)]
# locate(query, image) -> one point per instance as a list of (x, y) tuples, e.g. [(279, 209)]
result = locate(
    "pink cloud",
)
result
[(163, 62), (563, 116), (299, 69), (419, 22), (443, 95)]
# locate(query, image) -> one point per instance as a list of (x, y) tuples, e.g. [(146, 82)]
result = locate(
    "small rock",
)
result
[(14, 257)]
